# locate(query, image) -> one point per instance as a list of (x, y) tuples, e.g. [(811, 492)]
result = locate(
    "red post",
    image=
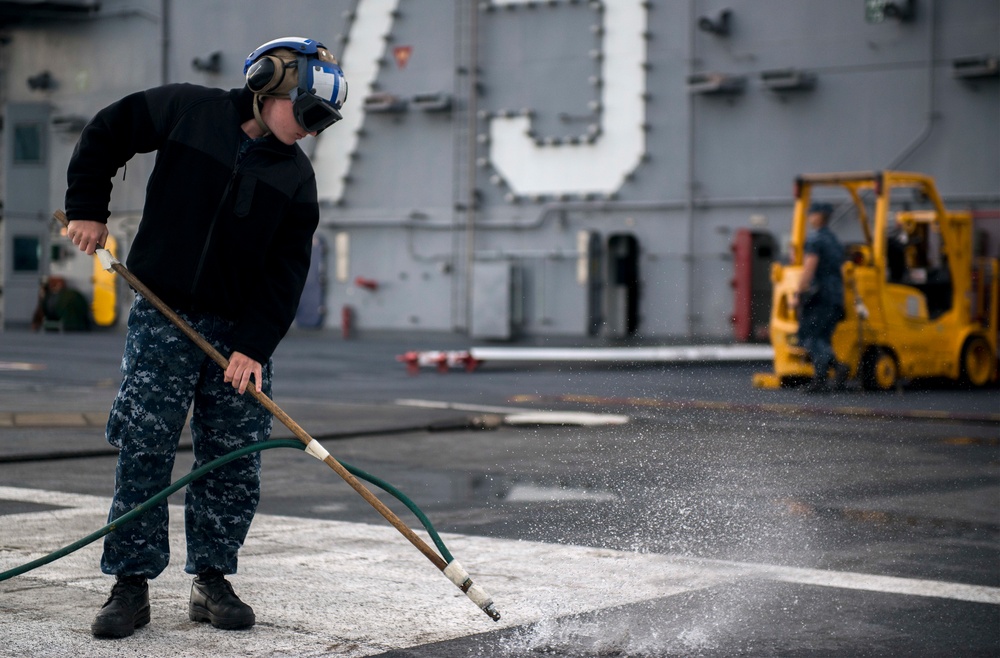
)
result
[(346, 321)]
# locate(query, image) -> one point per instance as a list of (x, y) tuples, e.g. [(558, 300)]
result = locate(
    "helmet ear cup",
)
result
[(265, 74)]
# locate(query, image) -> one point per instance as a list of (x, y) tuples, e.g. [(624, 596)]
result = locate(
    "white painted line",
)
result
[(435, 404), (19, 365), (565, 418), (353, 589), (370, 28), (600, 165), (861, 581), (44, 497), (626, 354), (522, 416), (885, 584)]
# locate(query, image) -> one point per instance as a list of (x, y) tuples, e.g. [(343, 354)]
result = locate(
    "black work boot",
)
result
[(126, 609), (840, 373), (816, 385), (213, 600)]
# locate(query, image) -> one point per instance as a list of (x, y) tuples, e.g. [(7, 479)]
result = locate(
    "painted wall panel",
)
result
[(697, 168)]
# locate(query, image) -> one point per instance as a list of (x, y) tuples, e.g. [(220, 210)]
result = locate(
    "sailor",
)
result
[(820, 298), (225, 240)]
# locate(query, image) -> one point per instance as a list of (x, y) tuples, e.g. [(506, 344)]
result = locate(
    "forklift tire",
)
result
[(879, 370), (977, 362)]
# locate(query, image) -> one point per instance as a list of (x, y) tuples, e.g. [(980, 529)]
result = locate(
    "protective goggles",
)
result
[(322, 90), (313, 113)]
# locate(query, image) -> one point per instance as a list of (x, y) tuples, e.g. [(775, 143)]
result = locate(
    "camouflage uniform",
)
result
[(824, 309), (164, 372)]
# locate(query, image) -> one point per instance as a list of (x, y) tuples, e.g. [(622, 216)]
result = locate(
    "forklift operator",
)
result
[(820, 298)]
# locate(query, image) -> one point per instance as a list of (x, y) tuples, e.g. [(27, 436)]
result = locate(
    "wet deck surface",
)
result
[(720, 520)]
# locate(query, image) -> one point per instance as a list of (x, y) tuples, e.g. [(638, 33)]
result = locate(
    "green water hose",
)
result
[(194, 475)]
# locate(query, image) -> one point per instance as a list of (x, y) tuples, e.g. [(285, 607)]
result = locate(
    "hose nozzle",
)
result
[(460, 577)]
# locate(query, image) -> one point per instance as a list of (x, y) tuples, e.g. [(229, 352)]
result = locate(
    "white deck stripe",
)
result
[(482, 408), (626, 354), (354, 588), (522, 416)]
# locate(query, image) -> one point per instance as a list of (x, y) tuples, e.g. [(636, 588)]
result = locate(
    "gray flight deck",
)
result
[(717, 520)]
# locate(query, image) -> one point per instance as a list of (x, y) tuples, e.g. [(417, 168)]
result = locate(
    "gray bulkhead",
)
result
[(496, 158)]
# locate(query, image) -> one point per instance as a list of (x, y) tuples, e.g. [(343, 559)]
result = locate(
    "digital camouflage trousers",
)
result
[(816, 326), (164, 376)]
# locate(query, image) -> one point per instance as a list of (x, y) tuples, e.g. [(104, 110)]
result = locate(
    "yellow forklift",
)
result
[(919, 303)]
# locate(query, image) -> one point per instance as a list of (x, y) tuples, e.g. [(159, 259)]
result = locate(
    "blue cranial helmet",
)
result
[(304, 71)]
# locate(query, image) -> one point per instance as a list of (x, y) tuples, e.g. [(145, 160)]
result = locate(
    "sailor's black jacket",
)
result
[(216, 236)]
